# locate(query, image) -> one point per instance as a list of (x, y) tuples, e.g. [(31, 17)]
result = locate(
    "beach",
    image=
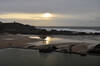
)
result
[(58, 43), (55, 50), (10, 40)]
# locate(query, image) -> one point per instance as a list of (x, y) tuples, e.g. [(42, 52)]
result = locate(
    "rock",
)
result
[(30, 47), (43, 36), (83, 53), (70, 48), (62, 50), (47, 48), (95, 50), (97, 46), (79, 48)]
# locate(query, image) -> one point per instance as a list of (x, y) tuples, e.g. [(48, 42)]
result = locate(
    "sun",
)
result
[(47, 15)]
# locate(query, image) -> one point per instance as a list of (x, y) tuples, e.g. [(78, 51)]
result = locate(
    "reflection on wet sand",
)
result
[(47, 40)]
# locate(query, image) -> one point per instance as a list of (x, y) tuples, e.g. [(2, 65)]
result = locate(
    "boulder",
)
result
[(97, 46), (31, 47), (95, 50), (80, 49), (62, 50), (47, 48)]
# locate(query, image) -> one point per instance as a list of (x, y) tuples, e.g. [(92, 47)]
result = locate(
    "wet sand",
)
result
[(7, 41), (72, 44)]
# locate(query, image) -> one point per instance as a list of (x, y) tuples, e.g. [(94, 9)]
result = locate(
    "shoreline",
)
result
[(20, 41)]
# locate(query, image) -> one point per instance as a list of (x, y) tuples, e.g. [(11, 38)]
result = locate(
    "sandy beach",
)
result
[(7, 41)]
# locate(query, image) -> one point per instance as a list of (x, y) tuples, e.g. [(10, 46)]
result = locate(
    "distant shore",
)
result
[(18, 28)]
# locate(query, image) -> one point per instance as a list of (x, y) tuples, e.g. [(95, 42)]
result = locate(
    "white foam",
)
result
[(78, 30)]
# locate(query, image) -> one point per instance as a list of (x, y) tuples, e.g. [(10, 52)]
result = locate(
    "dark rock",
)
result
[(97, 46), (43, 36), (47, 48), (30, 47), (83, 53), (95, 50), (62, 50)]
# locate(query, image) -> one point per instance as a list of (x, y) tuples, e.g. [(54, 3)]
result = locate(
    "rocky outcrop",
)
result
[(47, 48), (70, 48), (95, 50)]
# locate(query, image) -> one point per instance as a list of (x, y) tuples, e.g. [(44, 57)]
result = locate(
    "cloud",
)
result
[(75, 12)]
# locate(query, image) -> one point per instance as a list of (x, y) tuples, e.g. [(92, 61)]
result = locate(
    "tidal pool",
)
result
[(26, 57)]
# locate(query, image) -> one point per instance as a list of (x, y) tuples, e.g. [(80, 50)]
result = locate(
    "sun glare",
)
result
[(36, 16), (48, 39), (47, 15)]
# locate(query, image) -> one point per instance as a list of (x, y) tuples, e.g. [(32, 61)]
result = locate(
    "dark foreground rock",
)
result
[(47, 48), (71, 49), (95, 50)]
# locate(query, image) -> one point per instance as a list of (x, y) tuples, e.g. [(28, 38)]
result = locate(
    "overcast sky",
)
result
[(72, 12)]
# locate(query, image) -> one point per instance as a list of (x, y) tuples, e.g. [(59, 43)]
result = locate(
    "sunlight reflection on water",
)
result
[(34, 37), (47, 40), (66, 39), (50, 40)]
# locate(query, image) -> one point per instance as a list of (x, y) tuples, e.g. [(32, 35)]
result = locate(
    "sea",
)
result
[(73, 28)]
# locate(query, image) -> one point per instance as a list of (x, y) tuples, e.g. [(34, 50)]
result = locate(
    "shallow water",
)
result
[(25, 57), (91, 39)]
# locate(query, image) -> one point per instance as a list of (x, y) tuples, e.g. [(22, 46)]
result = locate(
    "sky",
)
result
[(51, 12)]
